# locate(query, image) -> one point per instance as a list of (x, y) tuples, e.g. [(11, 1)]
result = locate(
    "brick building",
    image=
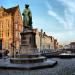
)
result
[(10, 27)]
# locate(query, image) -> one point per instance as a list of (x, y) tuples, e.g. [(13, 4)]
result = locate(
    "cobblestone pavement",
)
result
[(64, 67)]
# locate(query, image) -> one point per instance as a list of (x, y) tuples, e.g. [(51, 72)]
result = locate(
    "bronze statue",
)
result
[(27, 17)]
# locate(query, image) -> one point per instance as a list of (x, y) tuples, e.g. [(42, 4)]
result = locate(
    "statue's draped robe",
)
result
[(27, 18)]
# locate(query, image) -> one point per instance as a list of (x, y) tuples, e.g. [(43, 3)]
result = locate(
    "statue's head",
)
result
[(26, 5)]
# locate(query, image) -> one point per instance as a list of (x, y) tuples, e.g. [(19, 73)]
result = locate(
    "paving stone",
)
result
[(64, 67)]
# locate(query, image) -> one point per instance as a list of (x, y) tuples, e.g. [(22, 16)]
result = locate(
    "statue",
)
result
[(27, 17)]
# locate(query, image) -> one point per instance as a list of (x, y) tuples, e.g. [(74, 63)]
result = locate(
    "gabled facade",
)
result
[(10, 27)]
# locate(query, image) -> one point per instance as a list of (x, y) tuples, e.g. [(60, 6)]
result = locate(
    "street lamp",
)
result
[(44, 41), (41, 40)]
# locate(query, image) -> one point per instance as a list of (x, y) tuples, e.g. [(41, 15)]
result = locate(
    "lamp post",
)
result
[(44, 43), (41, 40), (14, 42), (13, 39)]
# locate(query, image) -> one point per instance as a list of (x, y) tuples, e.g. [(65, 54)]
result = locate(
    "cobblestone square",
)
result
[(64, 67)]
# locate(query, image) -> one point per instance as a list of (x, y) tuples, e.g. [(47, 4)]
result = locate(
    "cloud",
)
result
[(61, 36), (67, 21), (69, 12), (57, 17), (48, 5), (69, 4), (69, 18)]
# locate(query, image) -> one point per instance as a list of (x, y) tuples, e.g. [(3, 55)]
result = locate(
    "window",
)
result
[(23, 37), (1, 28), (7, 23), (16, 34), (0, 14), (6, 44), (7, 33), (16, 26), (1, 25), (0, 34), (24, 42)]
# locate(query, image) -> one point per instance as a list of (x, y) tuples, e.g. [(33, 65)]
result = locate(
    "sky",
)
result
[(55, 17)]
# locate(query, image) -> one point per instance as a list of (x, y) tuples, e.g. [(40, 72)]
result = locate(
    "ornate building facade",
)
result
[(10, 27)]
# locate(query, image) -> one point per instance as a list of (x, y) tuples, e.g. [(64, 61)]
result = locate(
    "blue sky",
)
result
[(55, 17)]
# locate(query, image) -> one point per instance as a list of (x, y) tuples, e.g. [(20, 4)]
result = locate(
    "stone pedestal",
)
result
[(28, 44)]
